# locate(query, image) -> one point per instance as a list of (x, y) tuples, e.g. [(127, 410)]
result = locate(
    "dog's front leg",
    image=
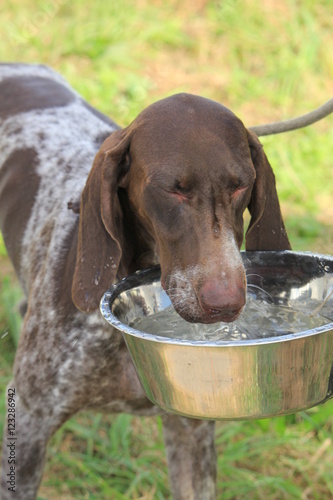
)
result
[(191, 457)]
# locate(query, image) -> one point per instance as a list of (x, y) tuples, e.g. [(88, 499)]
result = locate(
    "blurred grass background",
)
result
[(266, 61)]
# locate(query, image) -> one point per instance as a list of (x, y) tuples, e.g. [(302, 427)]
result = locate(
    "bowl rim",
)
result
[(153, 273)]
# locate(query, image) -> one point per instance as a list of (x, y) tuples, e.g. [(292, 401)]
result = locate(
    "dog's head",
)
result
[(176, 183)]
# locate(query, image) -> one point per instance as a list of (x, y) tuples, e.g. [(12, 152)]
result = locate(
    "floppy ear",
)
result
[(100, 237), (266, 230)]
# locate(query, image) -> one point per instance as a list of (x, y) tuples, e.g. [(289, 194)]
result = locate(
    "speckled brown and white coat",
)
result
[(170, 188)]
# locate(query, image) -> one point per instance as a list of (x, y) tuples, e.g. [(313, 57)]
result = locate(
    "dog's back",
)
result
[(48, 139)]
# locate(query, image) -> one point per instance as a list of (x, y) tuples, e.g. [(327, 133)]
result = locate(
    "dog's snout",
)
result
[(220, 301)]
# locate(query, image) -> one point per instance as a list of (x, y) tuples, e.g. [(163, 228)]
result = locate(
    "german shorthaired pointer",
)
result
[(82, 204)]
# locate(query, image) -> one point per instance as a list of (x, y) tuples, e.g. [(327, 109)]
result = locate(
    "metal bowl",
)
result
[(235, 379)]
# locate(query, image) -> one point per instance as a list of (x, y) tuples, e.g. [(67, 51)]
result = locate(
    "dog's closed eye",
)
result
[(236, 192), (180, 191)]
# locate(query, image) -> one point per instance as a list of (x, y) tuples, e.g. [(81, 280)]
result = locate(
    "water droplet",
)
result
[(5, 333)]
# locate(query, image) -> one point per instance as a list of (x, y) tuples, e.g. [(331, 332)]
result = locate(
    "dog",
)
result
[(83, 203)]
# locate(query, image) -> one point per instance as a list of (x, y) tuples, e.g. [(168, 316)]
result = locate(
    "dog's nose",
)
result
[(222, 300)]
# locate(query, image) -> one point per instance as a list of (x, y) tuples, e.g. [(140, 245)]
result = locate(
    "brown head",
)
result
[(176, 183)]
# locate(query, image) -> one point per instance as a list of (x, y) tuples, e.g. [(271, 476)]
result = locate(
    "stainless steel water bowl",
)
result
[(239, 379)]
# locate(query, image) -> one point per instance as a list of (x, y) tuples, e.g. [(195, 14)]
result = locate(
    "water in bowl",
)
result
[(259, 319)]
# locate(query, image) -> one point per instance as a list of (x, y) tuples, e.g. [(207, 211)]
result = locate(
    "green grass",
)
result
[(266, 61), (122, 457), (115, 457)]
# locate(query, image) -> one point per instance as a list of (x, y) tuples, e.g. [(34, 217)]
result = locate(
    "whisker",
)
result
[(252, 274), (261, 289), (147, 257), (179, 297), (322, 304)]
